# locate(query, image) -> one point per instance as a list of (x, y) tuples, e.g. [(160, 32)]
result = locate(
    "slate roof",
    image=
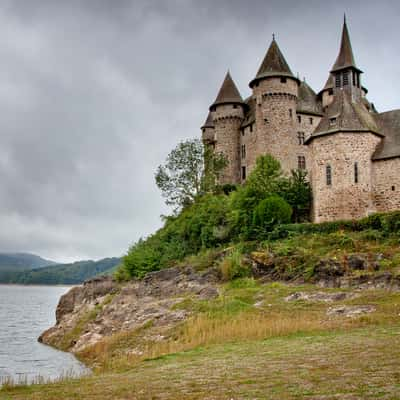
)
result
[(345, 58), (343, 115), (274, 64), (389, 124), (209, 123), (307, 100), (250, 115), (228, 94)]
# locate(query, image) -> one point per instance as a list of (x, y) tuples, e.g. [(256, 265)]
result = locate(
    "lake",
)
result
[(25, 312)]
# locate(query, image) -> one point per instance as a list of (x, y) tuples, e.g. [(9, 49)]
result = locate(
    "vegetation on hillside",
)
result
[(223, 215), (62, 274)]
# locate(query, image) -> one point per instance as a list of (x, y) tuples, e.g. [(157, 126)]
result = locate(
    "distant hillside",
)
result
[(63, 274), (22, 261)]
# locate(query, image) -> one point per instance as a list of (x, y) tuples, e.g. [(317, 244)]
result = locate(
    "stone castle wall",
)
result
[(276, 103), (386, 184), (227, 121), (344, 198), (306, 124)]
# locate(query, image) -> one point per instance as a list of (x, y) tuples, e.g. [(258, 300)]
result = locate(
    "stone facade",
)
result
[(348, 195), (386, 184), (350, 151)]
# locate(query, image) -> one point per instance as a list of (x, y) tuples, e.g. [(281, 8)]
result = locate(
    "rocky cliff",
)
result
[(101, 307)]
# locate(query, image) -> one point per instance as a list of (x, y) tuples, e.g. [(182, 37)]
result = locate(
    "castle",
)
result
[(350, 151)]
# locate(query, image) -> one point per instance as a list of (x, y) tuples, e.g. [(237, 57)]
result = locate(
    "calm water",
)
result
[(25, 312)]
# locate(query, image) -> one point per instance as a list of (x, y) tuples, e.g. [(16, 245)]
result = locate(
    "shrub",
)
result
[(270, 212)]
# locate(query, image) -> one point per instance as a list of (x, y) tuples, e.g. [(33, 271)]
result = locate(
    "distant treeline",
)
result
[(61, 274)]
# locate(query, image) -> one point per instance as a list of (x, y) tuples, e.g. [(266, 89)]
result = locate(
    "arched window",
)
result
[(356, 172), (328, 175)]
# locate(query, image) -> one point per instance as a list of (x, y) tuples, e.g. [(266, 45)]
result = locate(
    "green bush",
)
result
[(270, 212)]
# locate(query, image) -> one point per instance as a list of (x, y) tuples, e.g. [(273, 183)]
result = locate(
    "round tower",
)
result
[(275, 90), (228, 113)]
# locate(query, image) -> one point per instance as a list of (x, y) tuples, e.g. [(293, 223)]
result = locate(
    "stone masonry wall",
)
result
[(386, 181), (306, 124), (343, 199), (227, 121), (275, 122)]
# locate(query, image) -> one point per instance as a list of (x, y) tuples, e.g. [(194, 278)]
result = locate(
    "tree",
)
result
[(265, 180), (297, 192), (267, 175), (189, 171)]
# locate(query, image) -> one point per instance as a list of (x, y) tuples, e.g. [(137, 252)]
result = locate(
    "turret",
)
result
[(275, 90), (208, 130), (346, 76), (228, 113)]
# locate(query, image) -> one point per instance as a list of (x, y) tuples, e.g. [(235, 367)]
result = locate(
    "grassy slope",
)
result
[(359, 364), (274, 350), (251, 343)]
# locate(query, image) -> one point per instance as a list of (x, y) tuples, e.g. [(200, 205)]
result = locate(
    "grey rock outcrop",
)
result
[(102, 306)]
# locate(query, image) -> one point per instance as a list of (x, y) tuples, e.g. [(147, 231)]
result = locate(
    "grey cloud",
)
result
[(94, 94)]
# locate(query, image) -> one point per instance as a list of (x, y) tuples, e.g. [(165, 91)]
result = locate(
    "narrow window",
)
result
[(234, 106), (290, 113), (251, 128), (283, 80), (345, 78), (328, 175), (243, 151), (299, 118), (243, 173), (337, 80), (356, 172), (301, 162), (393, 188), (311, 121), (300, 137), (353, 73), (330, 92)]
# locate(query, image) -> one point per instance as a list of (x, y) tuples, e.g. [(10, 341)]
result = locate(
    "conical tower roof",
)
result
[(274, 64), (345, 58), (209, 123), (228, 94)]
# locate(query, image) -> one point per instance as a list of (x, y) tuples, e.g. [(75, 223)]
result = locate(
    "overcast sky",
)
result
[(94, 95)]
